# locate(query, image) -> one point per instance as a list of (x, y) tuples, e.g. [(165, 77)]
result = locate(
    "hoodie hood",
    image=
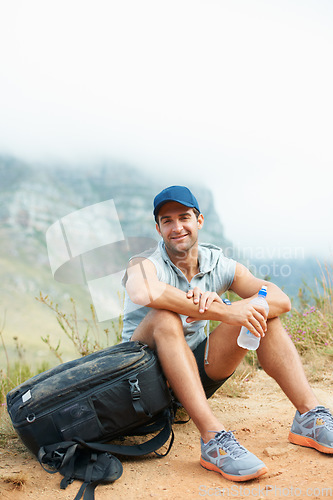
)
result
[(208, 256)]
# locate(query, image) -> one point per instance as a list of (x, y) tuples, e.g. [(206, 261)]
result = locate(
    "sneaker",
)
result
[(314, 430), (225, 455)]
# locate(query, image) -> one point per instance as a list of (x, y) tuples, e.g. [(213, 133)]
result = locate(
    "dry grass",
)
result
[(7, 431), (16, 480), (235, 386)]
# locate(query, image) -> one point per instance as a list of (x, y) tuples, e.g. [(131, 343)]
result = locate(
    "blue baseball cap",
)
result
[(180, 194)]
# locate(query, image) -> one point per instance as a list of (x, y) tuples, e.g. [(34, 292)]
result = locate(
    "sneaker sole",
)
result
[(248, 477), (309, 443)]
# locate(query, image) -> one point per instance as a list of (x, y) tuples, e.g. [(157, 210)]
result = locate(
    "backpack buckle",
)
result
[(135, 388)]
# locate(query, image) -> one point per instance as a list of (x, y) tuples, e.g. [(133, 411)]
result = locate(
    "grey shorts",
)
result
[(210, 386)]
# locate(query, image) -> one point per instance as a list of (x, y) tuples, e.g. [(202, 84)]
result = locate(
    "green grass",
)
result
[(10, 377)]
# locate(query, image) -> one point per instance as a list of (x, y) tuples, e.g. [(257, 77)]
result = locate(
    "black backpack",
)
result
[(68, 415)]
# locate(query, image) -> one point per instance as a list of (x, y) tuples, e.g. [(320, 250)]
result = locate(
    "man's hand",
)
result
[(245, 313), (203, 299), (240, 313)]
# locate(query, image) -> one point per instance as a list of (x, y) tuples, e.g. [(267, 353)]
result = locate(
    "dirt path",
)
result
[(261, 418)]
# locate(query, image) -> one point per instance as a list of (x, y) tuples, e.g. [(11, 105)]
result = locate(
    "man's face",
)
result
[(178, 226)]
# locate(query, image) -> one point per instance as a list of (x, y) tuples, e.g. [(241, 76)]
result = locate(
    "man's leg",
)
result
[(220, 451), (162, 331), (277, 356), (313, 424)]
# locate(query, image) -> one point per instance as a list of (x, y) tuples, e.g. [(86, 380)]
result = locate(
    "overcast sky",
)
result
[(233, 94)]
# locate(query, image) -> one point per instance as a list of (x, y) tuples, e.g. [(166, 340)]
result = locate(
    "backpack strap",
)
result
[(88, 487), (56, 455), (59, 454), (136, 397), (68, 474), (89, 493), (91, 467), (92, 462), (135, 450)]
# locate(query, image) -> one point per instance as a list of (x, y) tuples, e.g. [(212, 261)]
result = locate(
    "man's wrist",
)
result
[(224, 310)]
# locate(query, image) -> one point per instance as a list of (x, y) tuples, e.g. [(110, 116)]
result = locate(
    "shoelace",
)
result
[(230, 444), (325, 415)]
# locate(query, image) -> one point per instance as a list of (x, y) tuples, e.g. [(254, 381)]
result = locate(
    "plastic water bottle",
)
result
[(246, 339)]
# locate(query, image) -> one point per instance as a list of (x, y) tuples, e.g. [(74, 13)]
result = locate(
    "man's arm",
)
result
[(247, 286), (144, 288)]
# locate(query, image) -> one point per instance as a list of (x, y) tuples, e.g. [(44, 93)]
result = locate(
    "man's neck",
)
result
[(187, 262)]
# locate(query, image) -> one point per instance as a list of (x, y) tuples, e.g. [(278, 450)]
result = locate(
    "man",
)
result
[(172, 291)]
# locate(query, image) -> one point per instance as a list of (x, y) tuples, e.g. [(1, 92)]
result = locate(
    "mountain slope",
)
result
[(33, 197)]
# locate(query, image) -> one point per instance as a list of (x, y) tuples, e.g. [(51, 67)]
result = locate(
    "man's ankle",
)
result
[(307, 407), (208, 435)]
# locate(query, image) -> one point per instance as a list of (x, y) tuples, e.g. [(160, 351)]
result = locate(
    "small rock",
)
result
[(271, 451)]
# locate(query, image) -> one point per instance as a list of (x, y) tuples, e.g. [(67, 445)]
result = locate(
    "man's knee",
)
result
[(165, 321), (276, 331), (159, 323)]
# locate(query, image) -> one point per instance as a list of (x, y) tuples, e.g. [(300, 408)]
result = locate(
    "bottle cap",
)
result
[(263, 291)]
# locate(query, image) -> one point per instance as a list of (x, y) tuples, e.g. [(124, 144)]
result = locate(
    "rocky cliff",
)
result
[(35, 196)]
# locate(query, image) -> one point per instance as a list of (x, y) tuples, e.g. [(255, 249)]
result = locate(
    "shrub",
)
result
[(310, 325), (85, 340)]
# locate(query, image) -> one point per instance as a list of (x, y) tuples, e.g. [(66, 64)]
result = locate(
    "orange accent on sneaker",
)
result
[(309, 443), (212, 467)]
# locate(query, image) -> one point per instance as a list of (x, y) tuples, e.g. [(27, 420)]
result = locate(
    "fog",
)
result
[(236, 96)]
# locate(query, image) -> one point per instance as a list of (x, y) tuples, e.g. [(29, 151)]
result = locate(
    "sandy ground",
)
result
[(261, 419)]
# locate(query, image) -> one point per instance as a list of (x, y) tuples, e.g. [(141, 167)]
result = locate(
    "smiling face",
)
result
[(178, 225)]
